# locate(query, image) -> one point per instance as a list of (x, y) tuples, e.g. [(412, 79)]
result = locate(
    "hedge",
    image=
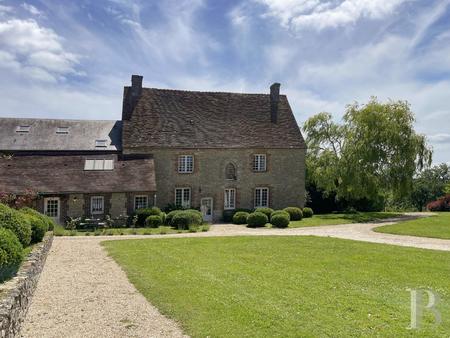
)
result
[(240, 217), (50, 223), (281, 212), (228, 214), (153, 221), (307, 212), (295, 213), (38, 228), (257, 219), (16, 222), (11, 253)]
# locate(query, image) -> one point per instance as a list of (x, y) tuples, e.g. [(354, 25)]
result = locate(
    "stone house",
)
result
[(209, 150)]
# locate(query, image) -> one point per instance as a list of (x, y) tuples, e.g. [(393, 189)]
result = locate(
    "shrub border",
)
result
[(16, 293)]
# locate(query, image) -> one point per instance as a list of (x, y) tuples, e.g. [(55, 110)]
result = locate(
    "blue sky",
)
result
[(71, 59)]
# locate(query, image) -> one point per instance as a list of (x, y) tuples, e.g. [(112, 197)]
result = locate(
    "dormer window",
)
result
[(62, 130), (23, 129), (101, 143), (186, 164)]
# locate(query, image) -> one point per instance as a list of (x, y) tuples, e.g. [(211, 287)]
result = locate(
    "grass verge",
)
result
[(286, 286), (335, 219), (437, 226)]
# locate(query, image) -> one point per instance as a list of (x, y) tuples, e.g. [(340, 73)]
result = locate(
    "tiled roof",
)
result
[(43, 135), (59, 174), (188, 119)]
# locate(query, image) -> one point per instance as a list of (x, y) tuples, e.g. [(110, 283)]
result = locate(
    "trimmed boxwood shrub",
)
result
[(295, 213), (143, 213), (240, 217), (257, 219), (47, 220), (11, 253), (266, 211), (307, 212), (227, 215), (16, 222), (280, 219), (153, 221), (170, 215), (282, 212), (185, 218)]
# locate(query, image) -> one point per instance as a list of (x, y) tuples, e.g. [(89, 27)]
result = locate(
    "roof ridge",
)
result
[(206, 92), (52, 119)]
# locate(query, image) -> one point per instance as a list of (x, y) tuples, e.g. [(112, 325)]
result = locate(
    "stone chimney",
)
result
[(274, 99), (131, 96)]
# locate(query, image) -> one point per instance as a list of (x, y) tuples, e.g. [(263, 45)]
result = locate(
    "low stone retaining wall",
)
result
[(16, 294)]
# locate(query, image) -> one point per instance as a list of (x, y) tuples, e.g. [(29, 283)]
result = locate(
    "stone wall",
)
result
[(16, 294), (118, 204), (75, 205), (285, 176)]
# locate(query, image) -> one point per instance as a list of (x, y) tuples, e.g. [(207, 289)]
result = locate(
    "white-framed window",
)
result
[(98, 164), (183, 197), (101, 143), (259, 162), (97, 205), (62, 130), (230, 199), (186, 164), (23, 129), (140, 201), (261, 197)]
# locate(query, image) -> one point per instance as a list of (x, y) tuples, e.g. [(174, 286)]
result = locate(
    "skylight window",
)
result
[(23, 129), (62, 130), (99, 164), (101, 143)]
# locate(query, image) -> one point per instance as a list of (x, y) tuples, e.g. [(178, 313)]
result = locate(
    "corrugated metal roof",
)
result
[(59, 135)]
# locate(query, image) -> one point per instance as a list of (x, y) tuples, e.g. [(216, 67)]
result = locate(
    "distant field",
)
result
[(286, 286)]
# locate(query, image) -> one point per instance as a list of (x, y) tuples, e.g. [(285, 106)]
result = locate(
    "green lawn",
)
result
[(437, 226), (162, 230), (286, 286), (332, 219)]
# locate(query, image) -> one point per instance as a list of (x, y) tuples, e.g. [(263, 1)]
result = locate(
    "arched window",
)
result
[(230, 171)]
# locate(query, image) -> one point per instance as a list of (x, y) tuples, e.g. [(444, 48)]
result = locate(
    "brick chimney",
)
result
[(131, 96), (274, 99)]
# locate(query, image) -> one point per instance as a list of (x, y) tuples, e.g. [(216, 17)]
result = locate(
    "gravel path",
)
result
[(83, 293)]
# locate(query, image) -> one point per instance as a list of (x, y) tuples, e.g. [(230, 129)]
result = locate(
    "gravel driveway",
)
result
[(83, 293)]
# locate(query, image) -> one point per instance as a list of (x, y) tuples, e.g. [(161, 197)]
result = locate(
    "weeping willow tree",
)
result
[(375, 150)]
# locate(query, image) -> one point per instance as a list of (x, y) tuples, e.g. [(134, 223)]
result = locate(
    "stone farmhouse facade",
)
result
[(209, 150)]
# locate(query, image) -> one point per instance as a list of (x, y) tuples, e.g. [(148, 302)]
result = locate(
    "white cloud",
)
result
[(31, 9), (37, 50), (440, 138), (319, 15)]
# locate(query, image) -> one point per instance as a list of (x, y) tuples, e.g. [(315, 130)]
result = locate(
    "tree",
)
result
[(429, 185), (374, 151)]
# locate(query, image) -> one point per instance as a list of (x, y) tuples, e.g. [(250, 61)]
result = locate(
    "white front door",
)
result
[(52, 208), (206, 207)]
